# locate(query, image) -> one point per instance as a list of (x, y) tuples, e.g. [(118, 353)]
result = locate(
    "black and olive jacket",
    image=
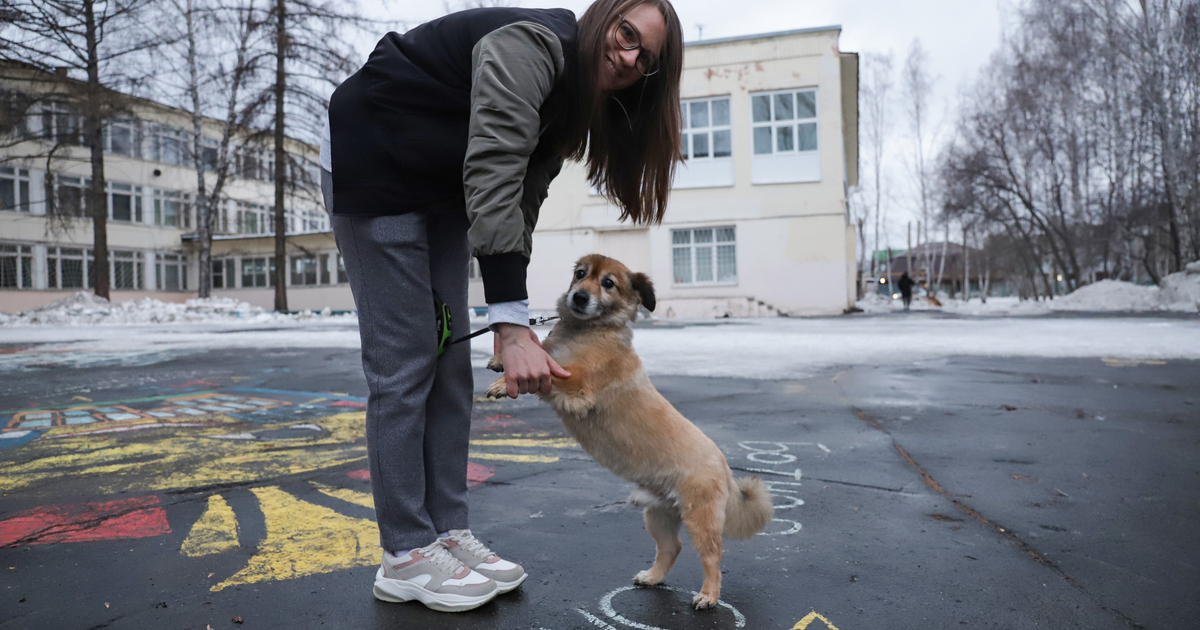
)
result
[(456, 114)]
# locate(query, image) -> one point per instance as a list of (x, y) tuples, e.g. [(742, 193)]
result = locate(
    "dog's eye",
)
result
[(607, 283), (579, 274)]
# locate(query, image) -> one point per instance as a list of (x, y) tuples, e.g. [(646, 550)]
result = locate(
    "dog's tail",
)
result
[(748, 509)]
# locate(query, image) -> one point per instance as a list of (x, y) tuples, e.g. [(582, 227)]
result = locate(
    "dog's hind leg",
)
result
[(704, 515), (663, 525)]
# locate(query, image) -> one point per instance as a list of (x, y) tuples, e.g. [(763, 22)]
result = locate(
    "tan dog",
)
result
[(609, 406)]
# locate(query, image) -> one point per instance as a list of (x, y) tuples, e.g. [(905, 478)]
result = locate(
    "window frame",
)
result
[(775, 123), (709, 131), (22, 266), (713, 245), (21, 186)]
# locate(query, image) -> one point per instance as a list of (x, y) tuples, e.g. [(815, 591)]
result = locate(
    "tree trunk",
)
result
[(93, 125), (281, 263), (966, 297), (204, 205)]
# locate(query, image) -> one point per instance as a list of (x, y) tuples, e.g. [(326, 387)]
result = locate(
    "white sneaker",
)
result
[(464, 546), (433, 576)]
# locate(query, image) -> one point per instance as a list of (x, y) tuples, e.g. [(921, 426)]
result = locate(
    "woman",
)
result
[(441, 147)]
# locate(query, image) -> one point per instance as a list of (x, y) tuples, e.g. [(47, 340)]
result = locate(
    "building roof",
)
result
[(737, 38)]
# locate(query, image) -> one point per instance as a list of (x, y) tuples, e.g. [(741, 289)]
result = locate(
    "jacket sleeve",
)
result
[(514, 69)]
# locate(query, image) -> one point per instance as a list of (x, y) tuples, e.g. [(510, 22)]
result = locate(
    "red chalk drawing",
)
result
[(499, 421), (81, 522), (476, 474), (350, 403)]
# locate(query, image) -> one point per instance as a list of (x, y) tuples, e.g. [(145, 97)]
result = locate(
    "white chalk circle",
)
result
[(791, 501), (776, 455), (795, 528), (607, 608)]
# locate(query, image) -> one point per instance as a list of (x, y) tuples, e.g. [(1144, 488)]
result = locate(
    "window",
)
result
[(258, 272), (16, 267), (170, 145), (172, 208), (120, 137), (304, 270), (254, 219), (218, 272), (14, 189), (784, 128), (128, 270), (209, 151), (171, 272), (72, 195), (324, 268), (707, 144), (67, 268), (60, 124), (706, 130), (704, 255), (125, 202), (14, 109), (784, 122)]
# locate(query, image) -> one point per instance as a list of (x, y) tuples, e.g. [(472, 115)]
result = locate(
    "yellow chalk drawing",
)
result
[(527, 443), (349, 496), (215, 532), (305, 539), (506, 457), (809, 618), (185, 458)]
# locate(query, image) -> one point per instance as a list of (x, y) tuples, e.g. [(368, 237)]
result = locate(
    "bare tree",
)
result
[(917, 87), (100, 40), (311, 56), (875, 99), (217, 51)]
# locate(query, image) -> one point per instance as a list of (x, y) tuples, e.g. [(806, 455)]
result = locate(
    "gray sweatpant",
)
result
[(419, 409)]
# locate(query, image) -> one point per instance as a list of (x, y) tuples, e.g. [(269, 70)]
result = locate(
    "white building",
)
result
[(758, 220), (45, 238), (757, 224)]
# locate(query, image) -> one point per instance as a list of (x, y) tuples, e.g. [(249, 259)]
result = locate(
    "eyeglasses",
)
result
[(629, 39)]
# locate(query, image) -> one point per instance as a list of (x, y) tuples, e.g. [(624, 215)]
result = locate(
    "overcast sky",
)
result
[(959, 35)]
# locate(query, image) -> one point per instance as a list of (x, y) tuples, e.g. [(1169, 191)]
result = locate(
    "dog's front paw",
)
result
[(495, 364), (647, 578), (574, 405), (702, 601), (498, 389)]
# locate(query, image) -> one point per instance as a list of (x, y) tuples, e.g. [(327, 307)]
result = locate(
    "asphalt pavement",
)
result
[(228, 489)]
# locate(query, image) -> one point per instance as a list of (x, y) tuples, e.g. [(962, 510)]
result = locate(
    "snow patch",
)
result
[(1179, 293), (85, 309)]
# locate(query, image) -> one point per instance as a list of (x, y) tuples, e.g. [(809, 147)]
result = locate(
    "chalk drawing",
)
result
[(607, 608)]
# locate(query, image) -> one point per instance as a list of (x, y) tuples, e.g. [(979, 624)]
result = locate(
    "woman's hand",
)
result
[(527, 367)]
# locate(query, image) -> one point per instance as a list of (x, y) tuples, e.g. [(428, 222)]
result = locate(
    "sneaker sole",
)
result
[(398, 591), (505, 587)]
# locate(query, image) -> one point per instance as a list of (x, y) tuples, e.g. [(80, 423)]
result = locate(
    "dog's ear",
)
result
[(641, 283)]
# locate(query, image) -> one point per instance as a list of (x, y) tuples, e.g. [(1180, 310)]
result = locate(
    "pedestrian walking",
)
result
[(906, 286), (443, 147)]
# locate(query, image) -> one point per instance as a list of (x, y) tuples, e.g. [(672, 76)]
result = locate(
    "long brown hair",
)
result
[(630, 138)]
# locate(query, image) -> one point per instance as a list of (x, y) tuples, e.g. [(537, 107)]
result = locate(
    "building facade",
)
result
[(757, 224), (46, 231)]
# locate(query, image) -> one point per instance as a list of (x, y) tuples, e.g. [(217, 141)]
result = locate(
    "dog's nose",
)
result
[(580, 298)]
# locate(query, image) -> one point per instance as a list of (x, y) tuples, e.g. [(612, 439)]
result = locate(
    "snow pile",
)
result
[(85, 309), (876, 303), (1109, 295), (1180, 292)]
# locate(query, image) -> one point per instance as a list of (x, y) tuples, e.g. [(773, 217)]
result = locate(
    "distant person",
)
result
[(906, 286), (440, 148)]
